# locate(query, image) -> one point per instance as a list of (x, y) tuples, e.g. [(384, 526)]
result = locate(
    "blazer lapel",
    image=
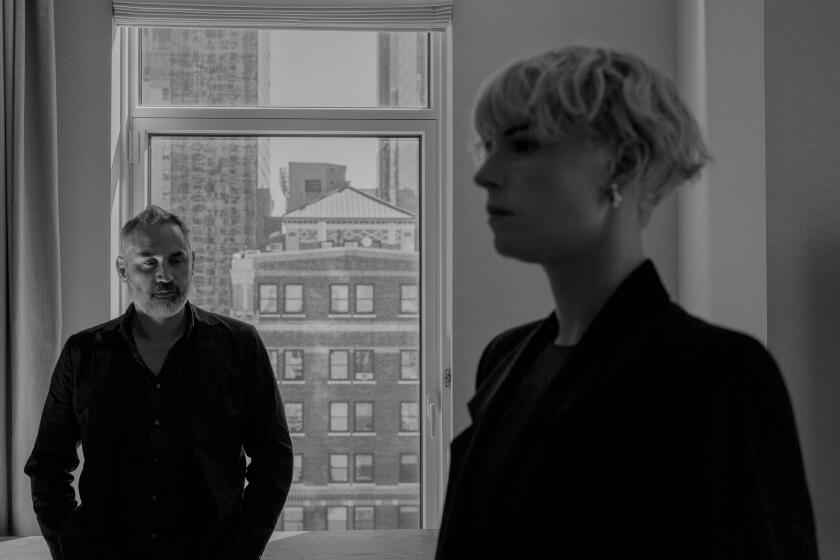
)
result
[(511, 367)]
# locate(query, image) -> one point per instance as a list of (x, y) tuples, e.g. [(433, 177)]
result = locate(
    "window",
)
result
[(364, 298), (409, 471), (409, 418), (268, 298), (238, 132), (297, 467), (294, 416), (293, 365), (363, 421), (293, 518), (363, 468), (294, 298), (338, 365), (363, 365), (363, 518), (408, 517), (408, 365), (339, 298), (336, 518), (408, 299), (339, 421), (338, 467), (274, 357)]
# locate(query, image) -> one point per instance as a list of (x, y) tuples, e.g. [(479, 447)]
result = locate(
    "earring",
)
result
[(616, 198)]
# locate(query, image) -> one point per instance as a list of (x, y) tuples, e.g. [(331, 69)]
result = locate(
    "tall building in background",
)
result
[(338, 307), (403, 77), (212, 182), (310, 180)]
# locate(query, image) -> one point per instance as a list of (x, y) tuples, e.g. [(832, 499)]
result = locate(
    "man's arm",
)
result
[(268, 444), (54, 457)]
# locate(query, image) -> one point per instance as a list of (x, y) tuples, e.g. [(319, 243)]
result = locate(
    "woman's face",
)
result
[(547, 202)]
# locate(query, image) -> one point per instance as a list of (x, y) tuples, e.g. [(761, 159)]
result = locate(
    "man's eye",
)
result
[(523, 145), (149, 263), (177, 260)]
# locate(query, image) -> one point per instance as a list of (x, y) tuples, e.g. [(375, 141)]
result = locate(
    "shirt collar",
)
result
[(128, 317)]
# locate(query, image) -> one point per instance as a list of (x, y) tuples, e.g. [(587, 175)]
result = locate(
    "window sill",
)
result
[(408, 381), (292, 381), (339, 316), (338, 382), (408, 433), (408, 315), (293, 315), (364, 434), (297, 434), (338, 434)]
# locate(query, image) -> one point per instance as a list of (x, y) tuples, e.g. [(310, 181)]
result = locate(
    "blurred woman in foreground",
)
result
[(619, 426)]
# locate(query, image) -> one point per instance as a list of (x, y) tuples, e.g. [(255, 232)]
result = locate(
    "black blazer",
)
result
[(234, 404), (662, 437)]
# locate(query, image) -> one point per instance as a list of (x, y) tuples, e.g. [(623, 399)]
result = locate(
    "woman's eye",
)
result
[(523, 145)]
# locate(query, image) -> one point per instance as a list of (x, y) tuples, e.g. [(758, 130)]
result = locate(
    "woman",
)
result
[(619, 426)]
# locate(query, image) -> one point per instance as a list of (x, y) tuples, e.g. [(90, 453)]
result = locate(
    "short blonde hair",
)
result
[(610, 97)]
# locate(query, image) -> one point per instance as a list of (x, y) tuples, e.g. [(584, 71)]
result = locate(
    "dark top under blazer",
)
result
[(234, 405), (663, 437)]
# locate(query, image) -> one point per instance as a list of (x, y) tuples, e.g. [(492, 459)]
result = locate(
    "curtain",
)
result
[(30, 300), (419, 15)]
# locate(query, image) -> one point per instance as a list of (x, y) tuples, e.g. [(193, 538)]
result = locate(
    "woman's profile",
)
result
[(620, 426)]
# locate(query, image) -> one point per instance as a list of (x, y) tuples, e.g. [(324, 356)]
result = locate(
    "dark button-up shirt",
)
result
[(217, 402)]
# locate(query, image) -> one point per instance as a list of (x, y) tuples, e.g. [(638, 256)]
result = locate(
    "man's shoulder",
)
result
[(222, 323), (97, 333)]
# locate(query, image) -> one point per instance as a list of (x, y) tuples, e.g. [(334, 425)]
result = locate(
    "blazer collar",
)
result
[(633, 305)]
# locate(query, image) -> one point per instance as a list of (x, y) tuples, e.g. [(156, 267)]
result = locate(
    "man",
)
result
[(166, 401)]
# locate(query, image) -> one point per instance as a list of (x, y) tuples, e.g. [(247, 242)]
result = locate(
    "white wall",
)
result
[(491, 293), (83, 87), (803, 234)]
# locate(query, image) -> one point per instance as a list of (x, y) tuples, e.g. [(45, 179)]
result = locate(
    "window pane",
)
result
[(409, 469), (294, 416), (363, 471), (364, 298), (409, 419), (268, 298), (363, 518), (297, 467), (245, 201), (408, 299), (293, 518), (339, 299), (408, 517), (294, 298), (293, 366), (364, 417), (336, 518), (338, 417), (338, 468), (283, 68), (274, 357), (363, 365), (338, 364)]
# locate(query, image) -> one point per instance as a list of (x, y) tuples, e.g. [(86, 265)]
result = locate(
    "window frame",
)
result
[(357, 370), (371, 299), (431, 124), (284, 377), (331, 362), (330, 429), (330, 467), (356, 467), (286, 299)]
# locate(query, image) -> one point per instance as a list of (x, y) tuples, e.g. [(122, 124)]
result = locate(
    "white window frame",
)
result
[(431, 125)]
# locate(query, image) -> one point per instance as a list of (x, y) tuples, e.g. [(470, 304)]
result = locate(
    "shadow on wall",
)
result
[(821, 359)]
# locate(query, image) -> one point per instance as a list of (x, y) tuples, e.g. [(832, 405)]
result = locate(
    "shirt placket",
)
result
[(155, 452)]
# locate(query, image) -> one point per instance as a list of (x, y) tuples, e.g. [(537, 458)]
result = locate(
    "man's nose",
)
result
[(486, 174), (164, 274)]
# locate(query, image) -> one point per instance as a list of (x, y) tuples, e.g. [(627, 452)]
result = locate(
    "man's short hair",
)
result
[(610, 97), (151, 216)]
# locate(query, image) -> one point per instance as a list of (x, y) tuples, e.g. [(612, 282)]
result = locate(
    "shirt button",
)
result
[(154, 536), (154, 498), (157, 385), (155, 459), (157, 422)]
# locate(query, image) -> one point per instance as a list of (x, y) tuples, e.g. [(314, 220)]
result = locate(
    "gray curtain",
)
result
[(30, 298)]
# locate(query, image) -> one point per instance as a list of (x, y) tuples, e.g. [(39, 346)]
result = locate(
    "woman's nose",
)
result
[(486, 174)]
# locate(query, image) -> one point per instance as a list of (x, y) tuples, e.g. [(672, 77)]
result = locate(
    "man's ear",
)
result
[(119, 264)]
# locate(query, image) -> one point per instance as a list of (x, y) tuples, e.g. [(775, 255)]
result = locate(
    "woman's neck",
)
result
[(582, 286)]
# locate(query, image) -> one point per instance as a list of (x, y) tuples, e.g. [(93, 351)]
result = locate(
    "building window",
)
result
[(408, 517), (363, 365), (409, 417), (294, 299), (338, 467), (293, 365), (297, 467), (363, 421), (339, 421), (363, 518), (274, 358), (408, 299), (336, 518), (268, 298), (408, 365), (364, 298), (338, 365), (339, 298), (363, 467), (294, 416), (409, 469), (293, 518), (312, 186)]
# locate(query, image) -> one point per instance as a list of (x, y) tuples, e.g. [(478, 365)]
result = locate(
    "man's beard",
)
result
[(166, 300)]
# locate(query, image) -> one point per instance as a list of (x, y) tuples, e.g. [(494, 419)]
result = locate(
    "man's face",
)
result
[(156, 266)]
